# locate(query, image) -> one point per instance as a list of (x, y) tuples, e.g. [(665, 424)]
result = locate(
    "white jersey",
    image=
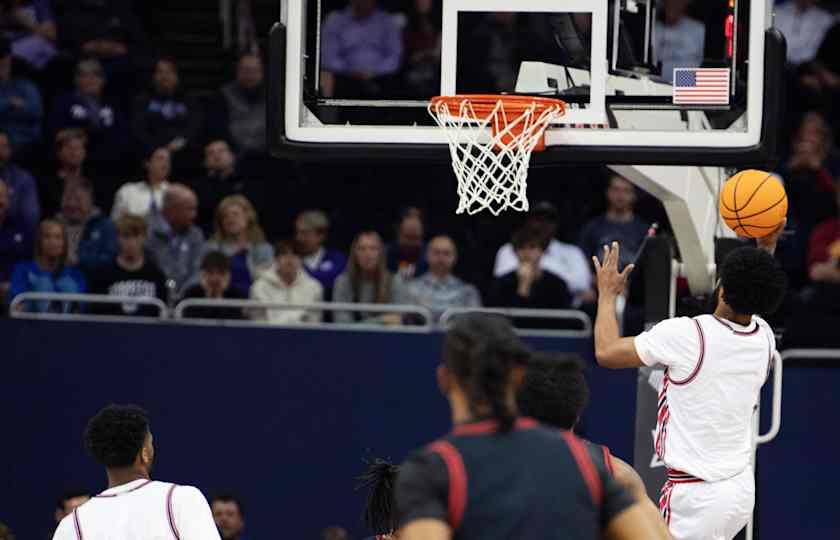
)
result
[(714, 373), (141, 510)]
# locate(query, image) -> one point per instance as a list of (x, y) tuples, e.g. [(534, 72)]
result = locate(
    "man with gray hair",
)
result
[(175, 241), (322, 263)]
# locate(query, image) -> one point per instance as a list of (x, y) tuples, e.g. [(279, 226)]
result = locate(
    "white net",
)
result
[(491, 151)]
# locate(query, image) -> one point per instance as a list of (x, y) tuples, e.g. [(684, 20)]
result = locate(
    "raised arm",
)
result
[(611, 350)]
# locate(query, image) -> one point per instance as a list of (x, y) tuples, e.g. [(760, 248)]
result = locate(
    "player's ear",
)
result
[(444, 379)]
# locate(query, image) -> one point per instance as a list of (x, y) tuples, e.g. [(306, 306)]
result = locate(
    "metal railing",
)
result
[(579, 317), (423, 313), (17, 307)]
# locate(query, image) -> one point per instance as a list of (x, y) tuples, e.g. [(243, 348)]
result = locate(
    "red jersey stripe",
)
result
[(457, 480), (587, 468)]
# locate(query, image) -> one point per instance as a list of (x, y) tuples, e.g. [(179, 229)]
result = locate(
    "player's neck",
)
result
[(119, 477), (725, 312)]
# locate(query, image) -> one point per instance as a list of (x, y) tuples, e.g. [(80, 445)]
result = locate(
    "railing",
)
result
[(18, 305), (580, 317)]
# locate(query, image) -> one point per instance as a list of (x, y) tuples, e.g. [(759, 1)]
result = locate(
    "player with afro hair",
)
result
[(752, 282)]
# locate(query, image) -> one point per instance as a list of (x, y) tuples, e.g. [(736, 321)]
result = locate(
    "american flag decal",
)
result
[(701, 86)]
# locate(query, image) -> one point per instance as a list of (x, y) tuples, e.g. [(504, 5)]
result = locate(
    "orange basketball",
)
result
[(753, 203)]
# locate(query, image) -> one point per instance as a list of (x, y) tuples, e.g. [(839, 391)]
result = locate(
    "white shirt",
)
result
[(803, 30), (304, 290), (141, 510), (714, 373), (680, 45), (566, 261), (136, 198)]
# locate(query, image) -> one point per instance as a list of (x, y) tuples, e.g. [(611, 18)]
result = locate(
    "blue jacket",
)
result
[(24, 206), (21, 111), (332, 264), (98, 246), (29, 277)]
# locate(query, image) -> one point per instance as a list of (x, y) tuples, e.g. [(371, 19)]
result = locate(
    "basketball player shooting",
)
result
[(715, 366)]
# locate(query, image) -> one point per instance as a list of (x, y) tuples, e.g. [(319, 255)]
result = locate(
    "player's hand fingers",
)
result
[(607, 253), (616, 252), (627, 271), (597, 264)]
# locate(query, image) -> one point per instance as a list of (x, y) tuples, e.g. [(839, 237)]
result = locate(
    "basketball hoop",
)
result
[(492, 170)]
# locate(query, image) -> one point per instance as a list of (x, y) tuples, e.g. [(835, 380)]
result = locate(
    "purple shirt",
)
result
[(369, 45)]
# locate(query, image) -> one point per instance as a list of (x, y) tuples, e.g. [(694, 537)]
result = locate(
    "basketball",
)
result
[(753, 203)]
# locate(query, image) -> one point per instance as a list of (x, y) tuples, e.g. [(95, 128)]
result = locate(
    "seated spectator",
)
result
[(239, 112), (5, 532), (145, 198), (91, 235), (48, 272), (239, 236), (229, 516), (68, 502), (406, 256), (287, 283), (618, 224), (223, 180), (174, 240), (130, 273), (680, 40), (21, 110), (322, 263), (565, 261), (30, 27), (103, 121), (166, 117), (23, 205), (824, 249), (804, 26), (361, 44), (529, 286), (15, 242), (421, 42), (71, 153), (368, 281), (438, 289), (810, 171), (214, 283)]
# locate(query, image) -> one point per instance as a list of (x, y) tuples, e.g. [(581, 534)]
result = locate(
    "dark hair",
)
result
[(70, 494), (116, 435), (530, 233), (284, 247), (215, 260), (380, 480), (555, 391), (753, 282), (481, 351), (229, 498)]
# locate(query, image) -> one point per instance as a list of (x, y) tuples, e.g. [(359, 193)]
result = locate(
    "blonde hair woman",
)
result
[(237, 234)]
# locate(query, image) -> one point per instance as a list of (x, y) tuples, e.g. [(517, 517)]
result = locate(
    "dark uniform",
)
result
[(533, 483)]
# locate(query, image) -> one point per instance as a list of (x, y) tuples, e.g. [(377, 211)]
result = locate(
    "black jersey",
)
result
[(534, 483)]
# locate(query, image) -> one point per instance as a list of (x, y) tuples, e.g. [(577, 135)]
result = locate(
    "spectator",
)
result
[(240, 111), (22, 191), (810, 171), (287, 283), (421, 42), (361, 46), (438, 289), (166, 117), (406, 256), (145, 197), (223, 180), (175, 241), (322, 263), (68, 502), (368, 281), (618, 224), (21, 110), (91, 235), (824, 248), (680, 40), (71, 152), (239, 236), (565, 261), (102, 120), (804, 26), (130, 273), (229, 516), (529, 286), (48, 272), (6, 533), (30, 27), (15, 242), (214, 282)]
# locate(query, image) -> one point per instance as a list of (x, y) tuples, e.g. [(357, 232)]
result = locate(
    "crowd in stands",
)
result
[(116, 180)]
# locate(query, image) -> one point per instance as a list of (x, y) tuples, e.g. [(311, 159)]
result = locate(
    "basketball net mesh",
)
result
[(492, 174)]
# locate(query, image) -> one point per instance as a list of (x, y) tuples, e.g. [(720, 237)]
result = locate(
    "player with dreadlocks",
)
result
[(380, 513), (499, 475)]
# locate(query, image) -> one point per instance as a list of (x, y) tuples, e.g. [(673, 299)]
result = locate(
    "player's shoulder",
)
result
[(675, 325), (66, 528), (765, 327)]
